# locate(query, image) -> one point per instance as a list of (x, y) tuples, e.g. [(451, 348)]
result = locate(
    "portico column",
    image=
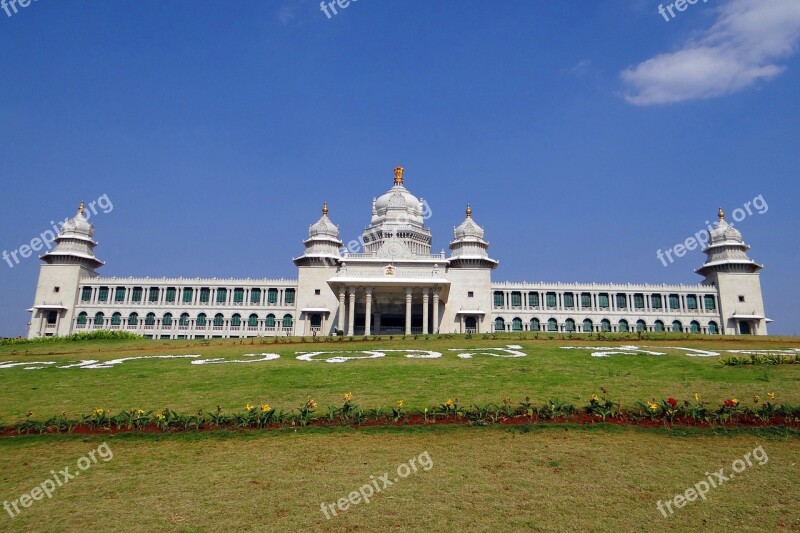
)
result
[(341, 308), (351, 313), (436, 310), (425, 301), (368, 316), (408, 310)]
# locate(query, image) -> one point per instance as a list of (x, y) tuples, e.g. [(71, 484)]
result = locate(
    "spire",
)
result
[(81, 209), (721, 214), (325, 209), (469, 211), (398, 175)]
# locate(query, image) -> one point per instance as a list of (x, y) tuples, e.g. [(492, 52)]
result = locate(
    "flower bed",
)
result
[(664, 412)]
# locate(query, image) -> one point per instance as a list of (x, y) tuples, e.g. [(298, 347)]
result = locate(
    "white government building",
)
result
[(395, 286)]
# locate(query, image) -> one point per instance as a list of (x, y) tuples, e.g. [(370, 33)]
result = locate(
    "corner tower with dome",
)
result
[(395, 284)]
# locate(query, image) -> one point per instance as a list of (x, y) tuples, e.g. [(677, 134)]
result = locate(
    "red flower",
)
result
[(672, 401)]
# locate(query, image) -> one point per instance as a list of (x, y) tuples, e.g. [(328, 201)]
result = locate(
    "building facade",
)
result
[(395, 285)]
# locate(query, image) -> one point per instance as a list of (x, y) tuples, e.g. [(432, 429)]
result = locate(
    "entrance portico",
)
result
[(372, 305)]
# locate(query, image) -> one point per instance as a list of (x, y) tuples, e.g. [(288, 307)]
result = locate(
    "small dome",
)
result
[(468, 228), (724, 231), (324, 227), (78, 225)]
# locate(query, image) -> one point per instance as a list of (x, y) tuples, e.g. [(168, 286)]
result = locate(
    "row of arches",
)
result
[(168, 319), (605, 325)]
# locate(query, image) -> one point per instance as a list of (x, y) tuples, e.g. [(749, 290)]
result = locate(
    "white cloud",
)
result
[(741, 48)]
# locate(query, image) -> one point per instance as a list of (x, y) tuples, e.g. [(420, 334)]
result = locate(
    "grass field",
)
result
[(547, 372), (521, 478)]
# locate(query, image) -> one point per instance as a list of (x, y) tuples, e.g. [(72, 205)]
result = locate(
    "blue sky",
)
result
[(586, 136)]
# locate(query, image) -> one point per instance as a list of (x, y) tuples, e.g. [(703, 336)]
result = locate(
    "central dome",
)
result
[(398, 202), (397, 217)]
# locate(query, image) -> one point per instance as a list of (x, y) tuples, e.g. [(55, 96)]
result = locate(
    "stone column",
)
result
[(341, 308), (408, 310), (435, 311), (425, 301), (351, 313), (368, 315)]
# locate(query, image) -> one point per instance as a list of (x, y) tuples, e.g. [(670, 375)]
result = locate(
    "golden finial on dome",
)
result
[(325, 209), (469, 211), (721, 214), (81, 209), (398, 175)]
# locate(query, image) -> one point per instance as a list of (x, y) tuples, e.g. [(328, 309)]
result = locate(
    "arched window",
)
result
[(588, 326), (236, 320), (623, 326), (470, 323), (270, 322), (516, 324), (82, 319), (98, 319), (605, 325), (694, 327), (658, 326), (552, 325), (150, 319), (133, 319), (116, 319), (569, 325), (535, 326), (713, 329), (499, 324), (287, 321), (219, 320), (641, 325), (677, 327), (184, 320), (252, 320), (201, 320), (166, 321)]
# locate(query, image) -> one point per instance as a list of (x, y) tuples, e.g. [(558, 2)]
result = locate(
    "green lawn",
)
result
[(521, 478), (549, 478), (546, 372)]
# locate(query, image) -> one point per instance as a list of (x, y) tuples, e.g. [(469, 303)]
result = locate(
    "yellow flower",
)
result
[(266, 407), (506, 400), (159, 416), (756, 398), (594, 398), (652, 406), (696, 397), (29, 414), (311, 404), (98, 412), (249, 407), (771, 395), (735, 401), (399, 404), (348, 396), (449, 402)]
